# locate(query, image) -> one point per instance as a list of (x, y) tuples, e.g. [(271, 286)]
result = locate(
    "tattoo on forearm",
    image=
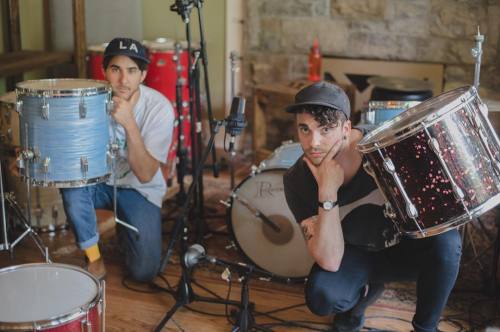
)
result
[(308, 228), (307, 233)]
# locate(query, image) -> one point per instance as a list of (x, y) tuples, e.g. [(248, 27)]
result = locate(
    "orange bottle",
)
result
[(315, 62)]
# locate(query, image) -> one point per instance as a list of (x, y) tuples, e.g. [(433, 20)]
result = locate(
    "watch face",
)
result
[(327, 205)]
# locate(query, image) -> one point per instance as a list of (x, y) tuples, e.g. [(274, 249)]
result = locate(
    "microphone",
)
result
[(194, 255), (183, 8), (235, 122)]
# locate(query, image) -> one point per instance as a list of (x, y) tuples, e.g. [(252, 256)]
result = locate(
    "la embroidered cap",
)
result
[(128, 47), (324, 94)]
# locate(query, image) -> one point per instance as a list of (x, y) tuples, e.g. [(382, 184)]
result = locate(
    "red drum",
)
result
[(50, 297), (437, 163), (162, 76), (95, 58)]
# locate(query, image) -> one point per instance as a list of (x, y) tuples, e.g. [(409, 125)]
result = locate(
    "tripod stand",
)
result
[(6, 245), (184, 294), (183, 8)]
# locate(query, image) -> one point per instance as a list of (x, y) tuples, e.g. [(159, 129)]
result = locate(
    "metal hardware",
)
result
[(84, 164), (477, 52), (389, 211), (459, 193), (45, 107), (19, 107), (110, 106), (82, 108), (45, 165)]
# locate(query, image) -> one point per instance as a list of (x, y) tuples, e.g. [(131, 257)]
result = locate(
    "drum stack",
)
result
[(391, 96), (169, 67)]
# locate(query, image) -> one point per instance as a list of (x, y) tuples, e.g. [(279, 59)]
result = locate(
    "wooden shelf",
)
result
[(15, 63)]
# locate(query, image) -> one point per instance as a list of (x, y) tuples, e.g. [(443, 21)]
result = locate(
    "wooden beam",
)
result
[(47, 26), (14, 27), (80, 39)]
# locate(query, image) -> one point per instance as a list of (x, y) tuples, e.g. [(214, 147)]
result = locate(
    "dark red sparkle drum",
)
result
[(167, 61), (50, 297), (437, 163), (95, 58)]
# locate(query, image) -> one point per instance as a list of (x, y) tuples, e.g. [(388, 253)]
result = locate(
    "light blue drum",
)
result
[(381, 111), (283, 156), (64, 131)]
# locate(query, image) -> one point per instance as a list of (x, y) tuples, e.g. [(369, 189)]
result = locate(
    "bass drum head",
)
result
[(282, 253)]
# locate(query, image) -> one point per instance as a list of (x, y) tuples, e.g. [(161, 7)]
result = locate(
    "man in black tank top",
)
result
[(340, 210)]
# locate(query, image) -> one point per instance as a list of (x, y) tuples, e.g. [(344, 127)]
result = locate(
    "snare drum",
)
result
[(9, 120), (64, 126), (282, 252), (438, 163), (95, 59), (50, 297)]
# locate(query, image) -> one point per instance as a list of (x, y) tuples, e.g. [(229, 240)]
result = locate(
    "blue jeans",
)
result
[(433, 262), (143, 251)]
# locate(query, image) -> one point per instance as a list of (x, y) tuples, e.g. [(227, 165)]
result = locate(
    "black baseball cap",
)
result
[(128, 47), (324, 94)]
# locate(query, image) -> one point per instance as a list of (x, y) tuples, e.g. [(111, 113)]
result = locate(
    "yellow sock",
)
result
[(93, 253)]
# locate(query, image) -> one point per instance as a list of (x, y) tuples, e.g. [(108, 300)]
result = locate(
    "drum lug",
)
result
[(434, 144), (411, 210), (389, 211), (82, 109), (45, 165), (368, 168), (110, 106), (19, 107), (9, 135), (45, 108), (84, 163)]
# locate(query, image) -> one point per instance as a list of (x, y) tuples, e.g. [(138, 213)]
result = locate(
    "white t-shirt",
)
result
[(155, 118)]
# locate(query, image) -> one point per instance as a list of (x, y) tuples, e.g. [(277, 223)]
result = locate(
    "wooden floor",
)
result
[(139, 307)]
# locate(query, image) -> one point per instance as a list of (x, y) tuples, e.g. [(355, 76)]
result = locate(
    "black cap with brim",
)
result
[(321, 94), (127, 47)]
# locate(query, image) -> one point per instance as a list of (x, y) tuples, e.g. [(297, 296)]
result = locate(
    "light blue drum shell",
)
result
[(65, 138), (381, 111)]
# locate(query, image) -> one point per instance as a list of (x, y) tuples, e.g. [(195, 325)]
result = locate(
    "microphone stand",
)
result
[(184, 293)]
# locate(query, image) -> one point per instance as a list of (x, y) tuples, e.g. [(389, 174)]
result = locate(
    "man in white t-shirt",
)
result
[(142, 122)]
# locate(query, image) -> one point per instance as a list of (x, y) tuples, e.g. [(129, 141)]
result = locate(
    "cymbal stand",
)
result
[(234, 68), (6, 245), (477, 52)]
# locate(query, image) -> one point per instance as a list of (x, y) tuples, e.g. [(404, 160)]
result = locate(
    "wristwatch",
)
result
[(328, 205)]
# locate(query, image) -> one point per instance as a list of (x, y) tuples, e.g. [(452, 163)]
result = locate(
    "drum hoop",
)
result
[(66, 184), (54, 93), (61, 319), (231, 230), (365, 146), (7, 103), (458, 221)]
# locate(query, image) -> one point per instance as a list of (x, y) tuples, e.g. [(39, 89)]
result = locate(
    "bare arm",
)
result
[(323, 233), (142, 163)]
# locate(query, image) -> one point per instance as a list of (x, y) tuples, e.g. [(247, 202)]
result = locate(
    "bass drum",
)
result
[(282, 251)]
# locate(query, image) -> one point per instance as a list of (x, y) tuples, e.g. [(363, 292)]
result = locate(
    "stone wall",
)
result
[(279, 33)]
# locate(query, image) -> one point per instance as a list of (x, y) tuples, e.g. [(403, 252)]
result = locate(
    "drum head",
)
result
[(39, 292), (284, 252), (97, 48), (62, 87), (415, 118), (163, 44)]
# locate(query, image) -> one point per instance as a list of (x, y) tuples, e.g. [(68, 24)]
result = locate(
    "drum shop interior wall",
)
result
[(32, 37), (279, 35)]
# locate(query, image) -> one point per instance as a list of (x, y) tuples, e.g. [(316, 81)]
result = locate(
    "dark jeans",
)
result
[(143, 251), (433, 262)]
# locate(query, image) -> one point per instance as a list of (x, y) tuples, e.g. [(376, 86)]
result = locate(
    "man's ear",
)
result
[(143, 75)]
